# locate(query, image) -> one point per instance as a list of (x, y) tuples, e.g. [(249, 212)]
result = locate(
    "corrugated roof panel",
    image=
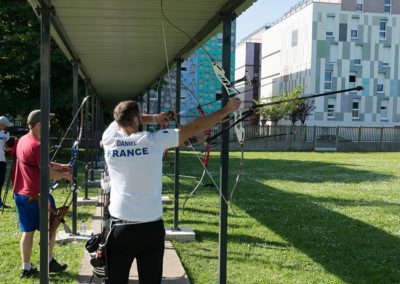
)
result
[(120, 42)]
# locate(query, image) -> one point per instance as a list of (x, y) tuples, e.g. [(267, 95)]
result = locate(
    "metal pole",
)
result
[(337, 138), (92, 139), (224, 168), (86, 145), (148, 106), (176, 164), (75, 98), (315, 137), (359, 138), (159, 101), (96, 129), (381, 139), (44, 141)]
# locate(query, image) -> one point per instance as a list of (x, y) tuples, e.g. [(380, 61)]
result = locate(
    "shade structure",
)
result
[(120, 43)]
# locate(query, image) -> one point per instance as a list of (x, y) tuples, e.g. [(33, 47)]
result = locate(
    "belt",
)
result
[(126, 222)]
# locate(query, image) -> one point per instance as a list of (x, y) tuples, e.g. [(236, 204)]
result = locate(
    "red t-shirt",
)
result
[(27, 168), (13, 152)]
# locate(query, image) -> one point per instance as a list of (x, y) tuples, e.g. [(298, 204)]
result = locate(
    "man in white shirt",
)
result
[(134, 160), (4, 136)]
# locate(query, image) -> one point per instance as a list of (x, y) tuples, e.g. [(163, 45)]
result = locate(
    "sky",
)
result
[(262, 12)]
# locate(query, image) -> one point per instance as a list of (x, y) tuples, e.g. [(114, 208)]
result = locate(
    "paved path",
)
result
[(173, 270)]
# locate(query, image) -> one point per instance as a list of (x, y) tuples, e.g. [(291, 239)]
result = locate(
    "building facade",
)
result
[(248, 59), (329, 45)]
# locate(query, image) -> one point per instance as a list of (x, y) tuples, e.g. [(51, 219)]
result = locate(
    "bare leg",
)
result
[(26, 246)]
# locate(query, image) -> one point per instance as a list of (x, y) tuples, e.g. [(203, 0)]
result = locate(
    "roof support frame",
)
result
[(62, 34), (45, 49), (224, 158)]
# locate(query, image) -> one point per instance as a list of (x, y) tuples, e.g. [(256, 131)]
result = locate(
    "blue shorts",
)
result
[(28, 212)]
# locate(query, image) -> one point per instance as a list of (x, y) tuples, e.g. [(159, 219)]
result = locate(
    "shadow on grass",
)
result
[(352, 250), (240, 238)]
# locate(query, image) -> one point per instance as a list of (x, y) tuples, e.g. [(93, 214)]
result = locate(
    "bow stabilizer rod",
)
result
[(251, 110)]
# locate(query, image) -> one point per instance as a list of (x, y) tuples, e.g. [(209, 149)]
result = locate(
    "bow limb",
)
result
[(193, 191), (70, 126), (74, 147)]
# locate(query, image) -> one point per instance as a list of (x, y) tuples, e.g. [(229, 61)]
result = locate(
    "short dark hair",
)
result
[(124, 113)]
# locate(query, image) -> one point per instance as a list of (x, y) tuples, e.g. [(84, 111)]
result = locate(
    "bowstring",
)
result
[(169, 78)]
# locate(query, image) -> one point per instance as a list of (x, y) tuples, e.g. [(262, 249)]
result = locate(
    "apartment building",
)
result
[(329, 45)]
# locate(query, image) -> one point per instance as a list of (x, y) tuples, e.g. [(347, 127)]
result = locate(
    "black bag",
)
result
[(93, 243)]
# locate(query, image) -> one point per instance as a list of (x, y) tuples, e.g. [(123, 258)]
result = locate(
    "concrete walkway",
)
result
[(173, 271)]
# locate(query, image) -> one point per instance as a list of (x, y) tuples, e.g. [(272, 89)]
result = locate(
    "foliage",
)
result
[(20, 66), (276, 112), (302, 111), (305, 110)]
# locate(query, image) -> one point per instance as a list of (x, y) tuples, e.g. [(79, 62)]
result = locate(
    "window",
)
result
[(294, 38), (388, 6), (355, 110), (328, 80), (359, 5), (331, 107), (358, 55), (330, 27), (333, 53), (354, 34), (352, 80), (384, 109), (380, 87), (386, 56), (382, 30)]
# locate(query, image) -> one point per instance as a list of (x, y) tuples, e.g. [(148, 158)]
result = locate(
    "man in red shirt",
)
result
[(27, 190)]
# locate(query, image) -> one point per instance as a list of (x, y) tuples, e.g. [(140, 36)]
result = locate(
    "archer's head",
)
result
[(34, 124), (127, 115)]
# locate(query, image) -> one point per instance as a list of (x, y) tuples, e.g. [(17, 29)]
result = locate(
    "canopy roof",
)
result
[(120, 42)]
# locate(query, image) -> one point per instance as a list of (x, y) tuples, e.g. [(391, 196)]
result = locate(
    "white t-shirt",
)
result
[(4, 136), (135, 167)]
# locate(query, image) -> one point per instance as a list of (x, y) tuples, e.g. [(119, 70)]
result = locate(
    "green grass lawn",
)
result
[(300, 218)]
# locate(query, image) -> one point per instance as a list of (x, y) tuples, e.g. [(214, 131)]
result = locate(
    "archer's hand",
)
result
[(67, 176), (164, 118), (61, 167), (59, 174), (233, 104)]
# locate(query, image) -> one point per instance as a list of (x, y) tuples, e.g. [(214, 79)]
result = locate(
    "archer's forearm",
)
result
[(201, 124), (149, 118)]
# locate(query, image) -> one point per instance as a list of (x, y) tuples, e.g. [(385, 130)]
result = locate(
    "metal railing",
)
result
[(322, 133)]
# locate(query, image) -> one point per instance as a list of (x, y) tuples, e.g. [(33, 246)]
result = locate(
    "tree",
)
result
[(276, 112), (20, 66), (301, 109), (305, 109)]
